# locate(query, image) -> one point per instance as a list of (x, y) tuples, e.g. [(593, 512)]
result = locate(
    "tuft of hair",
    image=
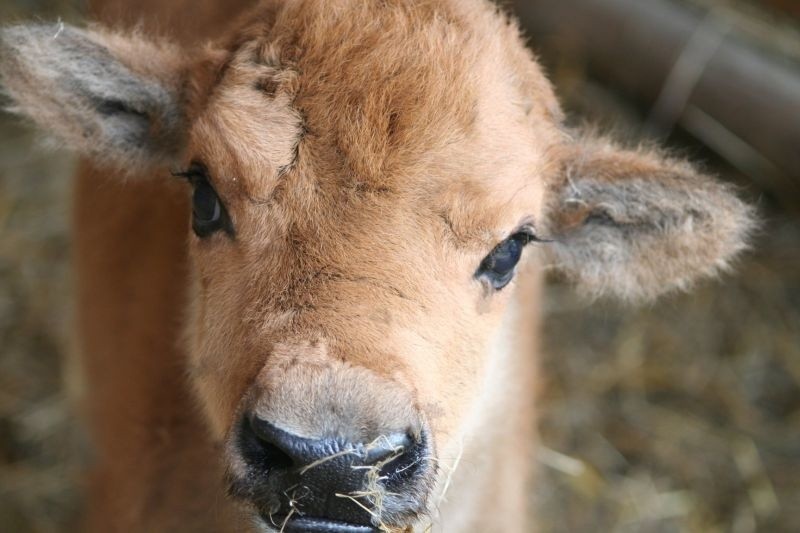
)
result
[(94, 92), (634, 224)]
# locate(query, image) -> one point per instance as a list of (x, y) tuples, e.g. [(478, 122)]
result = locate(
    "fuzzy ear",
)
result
[(113, 97), (634, 224)]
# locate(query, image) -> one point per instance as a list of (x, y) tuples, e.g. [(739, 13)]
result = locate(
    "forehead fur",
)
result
[(369, 93)]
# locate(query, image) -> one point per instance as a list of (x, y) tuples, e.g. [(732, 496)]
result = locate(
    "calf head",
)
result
[(366, 180)]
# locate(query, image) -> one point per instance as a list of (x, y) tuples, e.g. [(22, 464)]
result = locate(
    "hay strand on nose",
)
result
[(349, 451)]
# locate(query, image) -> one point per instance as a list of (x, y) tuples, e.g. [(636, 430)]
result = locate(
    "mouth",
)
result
[(303, 524)]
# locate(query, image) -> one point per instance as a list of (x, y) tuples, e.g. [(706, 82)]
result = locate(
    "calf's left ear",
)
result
[(635, 224)]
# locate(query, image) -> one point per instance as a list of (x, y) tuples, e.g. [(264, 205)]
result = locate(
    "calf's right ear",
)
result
[(111, 96)]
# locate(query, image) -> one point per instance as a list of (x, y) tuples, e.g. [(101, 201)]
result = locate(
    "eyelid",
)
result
[(196, 170), (530, 232)]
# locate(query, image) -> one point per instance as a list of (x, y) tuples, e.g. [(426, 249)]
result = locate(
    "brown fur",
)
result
[(370, 154)]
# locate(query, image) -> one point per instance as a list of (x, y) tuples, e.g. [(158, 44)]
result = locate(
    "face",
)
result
[(354, 252), (367, 185)]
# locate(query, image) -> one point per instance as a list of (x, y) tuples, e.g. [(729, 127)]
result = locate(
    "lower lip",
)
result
[(319, 525)]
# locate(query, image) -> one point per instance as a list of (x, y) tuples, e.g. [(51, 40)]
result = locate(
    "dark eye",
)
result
[(208, 213), (206, 206), (498, 267)]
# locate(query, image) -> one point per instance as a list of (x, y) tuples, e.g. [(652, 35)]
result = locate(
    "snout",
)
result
[(315, 453), (333, 485)]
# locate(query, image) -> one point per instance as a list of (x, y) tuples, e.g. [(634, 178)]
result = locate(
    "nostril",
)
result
[(386, 448), (398, 458), (258, 450), (404, 465)]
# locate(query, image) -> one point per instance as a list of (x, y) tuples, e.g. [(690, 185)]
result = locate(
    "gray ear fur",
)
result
[(635, 224), (72, 85)]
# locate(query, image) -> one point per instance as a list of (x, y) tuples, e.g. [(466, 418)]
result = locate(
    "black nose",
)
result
[(329, 481)]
